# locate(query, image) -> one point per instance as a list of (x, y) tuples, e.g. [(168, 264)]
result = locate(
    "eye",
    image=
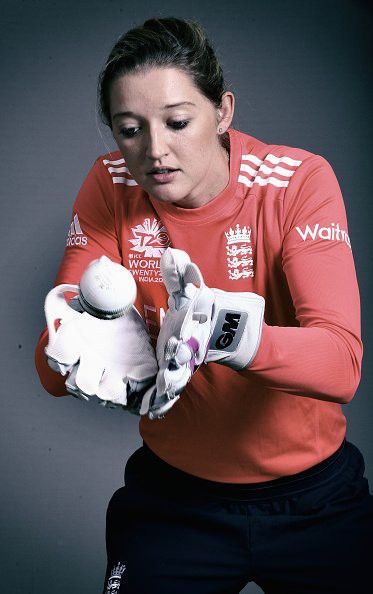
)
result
[(132, 132), (128, 132), (179, 125)]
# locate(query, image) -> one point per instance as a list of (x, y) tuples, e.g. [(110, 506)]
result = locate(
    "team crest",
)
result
[(113, 584), (239, 253)]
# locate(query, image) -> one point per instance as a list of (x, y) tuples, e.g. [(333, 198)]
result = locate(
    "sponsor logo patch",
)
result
[(332, 233)]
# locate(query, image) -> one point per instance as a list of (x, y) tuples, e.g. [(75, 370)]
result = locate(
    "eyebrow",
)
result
[(131, 113)]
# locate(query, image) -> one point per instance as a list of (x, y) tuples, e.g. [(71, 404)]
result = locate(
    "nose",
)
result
[(156, 144)]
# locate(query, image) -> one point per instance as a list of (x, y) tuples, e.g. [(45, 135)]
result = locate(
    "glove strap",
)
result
[(55, 307), (237, 328)]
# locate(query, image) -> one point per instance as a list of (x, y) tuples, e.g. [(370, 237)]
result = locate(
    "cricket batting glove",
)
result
[(201, 325), (102, 344)]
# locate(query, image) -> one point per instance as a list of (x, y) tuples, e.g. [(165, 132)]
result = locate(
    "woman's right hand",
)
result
[(112, 359)]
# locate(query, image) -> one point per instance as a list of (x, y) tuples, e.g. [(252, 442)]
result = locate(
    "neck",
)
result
[(220, 177)]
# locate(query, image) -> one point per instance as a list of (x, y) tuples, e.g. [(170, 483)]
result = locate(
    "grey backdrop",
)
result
[(300, 74)]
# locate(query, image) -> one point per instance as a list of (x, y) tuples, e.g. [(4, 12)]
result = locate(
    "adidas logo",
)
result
[(75, 235)]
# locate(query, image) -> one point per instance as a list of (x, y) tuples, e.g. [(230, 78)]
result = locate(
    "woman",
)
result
[(248, 477)]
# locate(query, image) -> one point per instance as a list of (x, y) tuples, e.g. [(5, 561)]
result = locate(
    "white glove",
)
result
[(112, 359), (201, 325)]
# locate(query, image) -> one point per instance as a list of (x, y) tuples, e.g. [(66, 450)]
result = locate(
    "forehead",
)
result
[(154, 89)]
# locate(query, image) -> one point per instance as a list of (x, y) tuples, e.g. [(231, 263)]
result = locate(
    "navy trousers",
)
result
[(168, 532)]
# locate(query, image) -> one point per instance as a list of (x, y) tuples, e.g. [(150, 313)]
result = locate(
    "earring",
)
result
[(220, 130)]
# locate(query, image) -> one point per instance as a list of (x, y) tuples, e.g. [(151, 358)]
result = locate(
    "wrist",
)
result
[(237, 327)]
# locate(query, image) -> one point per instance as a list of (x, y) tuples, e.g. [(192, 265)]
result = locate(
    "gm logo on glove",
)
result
[(228, 330)]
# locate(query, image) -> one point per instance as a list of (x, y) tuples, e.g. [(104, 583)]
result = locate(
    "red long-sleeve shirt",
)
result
[(278, 229)]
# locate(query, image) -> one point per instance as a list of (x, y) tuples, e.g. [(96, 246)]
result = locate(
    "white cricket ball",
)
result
[(107, 289)]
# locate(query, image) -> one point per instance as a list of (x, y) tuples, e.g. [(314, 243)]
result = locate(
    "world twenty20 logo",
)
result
[(150, 239)]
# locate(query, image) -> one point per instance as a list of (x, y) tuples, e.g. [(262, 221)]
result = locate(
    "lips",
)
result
[(164, 178), (160, 170)]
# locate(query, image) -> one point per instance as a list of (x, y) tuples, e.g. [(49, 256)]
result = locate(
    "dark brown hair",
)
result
[(162, 43)]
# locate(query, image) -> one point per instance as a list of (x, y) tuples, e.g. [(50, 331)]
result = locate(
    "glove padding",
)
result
[(112, 359), (201, 325)]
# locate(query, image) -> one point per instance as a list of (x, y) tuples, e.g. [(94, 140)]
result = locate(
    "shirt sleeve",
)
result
[(320, 358), (92, 233)]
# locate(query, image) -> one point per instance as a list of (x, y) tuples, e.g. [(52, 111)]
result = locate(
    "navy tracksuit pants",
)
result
[(309, 533)]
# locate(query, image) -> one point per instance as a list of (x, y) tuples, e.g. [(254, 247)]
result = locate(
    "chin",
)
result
[(166, 195), (165, 199)]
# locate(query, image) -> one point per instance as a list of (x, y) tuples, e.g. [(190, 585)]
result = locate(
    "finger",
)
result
[(160, 404), (59, 367), (178, 353), (108, 404), (173, 263), (65, 349), (71, 386), (89, 373), (145, 403), (113, 388)]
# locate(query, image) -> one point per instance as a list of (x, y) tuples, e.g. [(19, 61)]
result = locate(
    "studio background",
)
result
[(300, 75)]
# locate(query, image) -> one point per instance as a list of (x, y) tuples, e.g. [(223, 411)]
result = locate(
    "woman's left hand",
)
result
[(202, 325)]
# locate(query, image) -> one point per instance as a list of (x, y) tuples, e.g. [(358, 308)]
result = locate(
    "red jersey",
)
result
[(278, 229)]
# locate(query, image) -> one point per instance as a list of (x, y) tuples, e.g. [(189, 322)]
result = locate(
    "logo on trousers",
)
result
[(114, 580)]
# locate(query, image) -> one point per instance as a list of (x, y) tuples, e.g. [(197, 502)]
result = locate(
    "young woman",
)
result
[(248, 476)]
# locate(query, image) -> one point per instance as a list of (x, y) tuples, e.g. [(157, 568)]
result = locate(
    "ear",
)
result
[(225, 112)]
